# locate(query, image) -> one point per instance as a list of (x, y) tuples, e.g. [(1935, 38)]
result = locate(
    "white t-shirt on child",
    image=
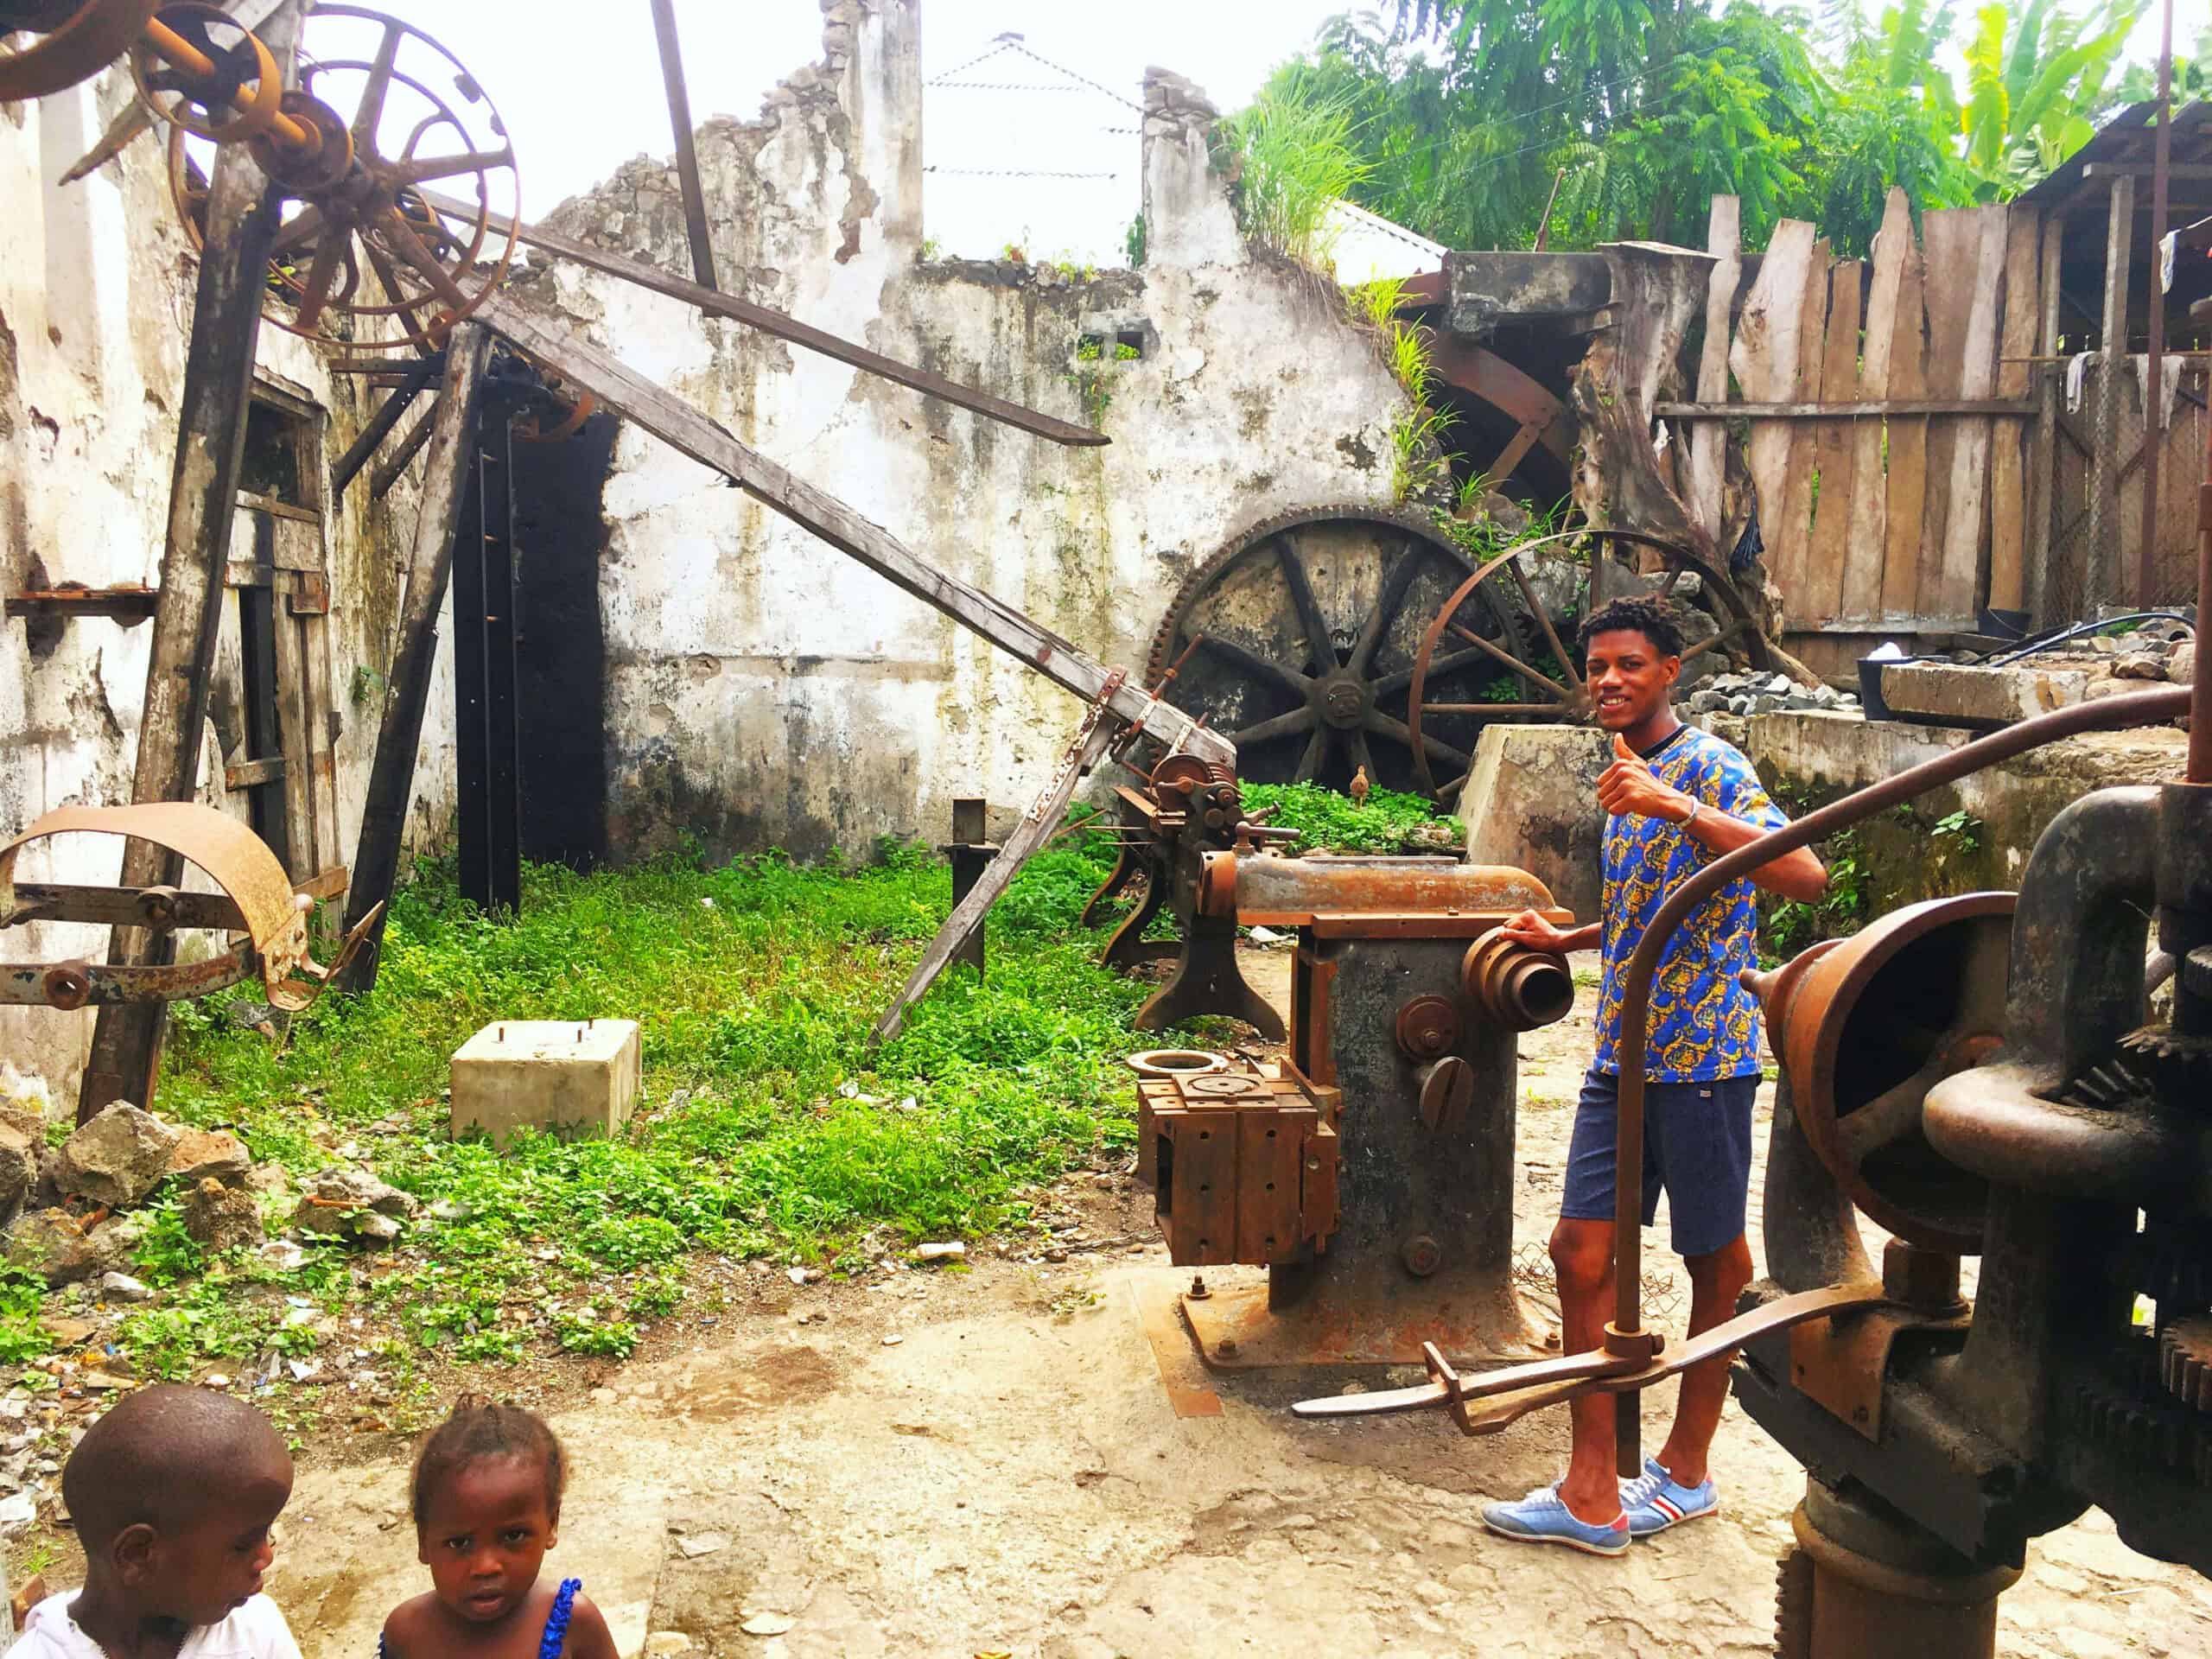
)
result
[(256, 1631)]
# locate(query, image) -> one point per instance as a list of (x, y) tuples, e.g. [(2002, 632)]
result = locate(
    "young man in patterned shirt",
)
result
[(1676, 799)]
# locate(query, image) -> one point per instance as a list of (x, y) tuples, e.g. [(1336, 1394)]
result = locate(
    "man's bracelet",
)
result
[(1696, 807)]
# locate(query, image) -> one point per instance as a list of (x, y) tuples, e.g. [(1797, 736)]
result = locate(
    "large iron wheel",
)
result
[(1297, 640), (1553, 689)]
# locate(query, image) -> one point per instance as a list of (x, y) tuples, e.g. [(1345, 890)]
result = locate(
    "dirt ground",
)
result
[(985, 1462)]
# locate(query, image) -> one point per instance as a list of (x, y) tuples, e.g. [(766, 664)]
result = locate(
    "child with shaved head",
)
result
[(174, 1493)]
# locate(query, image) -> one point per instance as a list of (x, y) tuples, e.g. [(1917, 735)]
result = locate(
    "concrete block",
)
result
[(1957, 694), (548, 1074), (1531, 801)]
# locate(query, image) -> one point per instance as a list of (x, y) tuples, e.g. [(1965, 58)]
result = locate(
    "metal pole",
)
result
[(242, 225), (2154, 369)]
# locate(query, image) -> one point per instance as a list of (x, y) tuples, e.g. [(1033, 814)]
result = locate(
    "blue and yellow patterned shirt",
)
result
[(1704, 1023)]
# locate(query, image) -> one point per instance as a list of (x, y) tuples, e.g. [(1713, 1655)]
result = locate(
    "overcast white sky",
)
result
[(579, 80), (579, 83)]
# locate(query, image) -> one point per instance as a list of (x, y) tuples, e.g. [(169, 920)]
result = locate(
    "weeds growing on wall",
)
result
[(1290, 160), (766, 1128), (1387, 822), (1418, 461)]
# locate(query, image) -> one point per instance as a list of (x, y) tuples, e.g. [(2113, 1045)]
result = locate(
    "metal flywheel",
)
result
[(1298, 640)]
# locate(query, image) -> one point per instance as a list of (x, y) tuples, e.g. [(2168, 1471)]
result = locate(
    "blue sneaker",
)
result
[(1655, 1503), (1542, 1517)]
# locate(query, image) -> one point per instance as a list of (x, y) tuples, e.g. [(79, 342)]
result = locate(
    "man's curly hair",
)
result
[(1652, 618)]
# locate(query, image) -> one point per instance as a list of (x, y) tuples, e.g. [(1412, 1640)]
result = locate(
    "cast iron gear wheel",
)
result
[(2139, 1421), (2185, 1361), (1306, 624)]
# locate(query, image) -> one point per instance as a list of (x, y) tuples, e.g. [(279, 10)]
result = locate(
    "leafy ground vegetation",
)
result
[(768, 1130)]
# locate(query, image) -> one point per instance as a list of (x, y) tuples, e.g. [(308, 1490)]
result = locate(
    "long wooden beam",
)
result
[(783, 327), (687, 153), (241, 224), (1874, 410), (391, 774), (1036, 827), (676, 422)]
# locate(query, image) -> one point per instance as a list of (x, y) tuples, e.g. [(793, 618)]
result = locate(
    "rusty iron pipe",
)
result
[(2111, 714)]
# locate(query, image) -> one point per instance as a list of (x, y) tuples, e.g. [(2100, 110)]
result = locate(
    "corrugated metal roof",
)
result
[(2126, 140)]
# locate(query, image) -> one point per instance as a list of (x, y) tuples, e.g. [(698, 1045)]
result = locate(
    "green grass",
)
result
[(766, 1127), (1387, 822)]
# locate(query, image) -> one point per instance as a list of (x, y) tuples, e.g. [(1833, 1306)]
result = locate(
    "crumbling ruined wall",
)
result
[(764, 690), (96, 296)]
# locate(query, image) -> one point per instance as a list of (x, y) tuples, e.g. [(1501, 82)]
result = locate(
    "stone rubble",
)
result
[(1757, 693)]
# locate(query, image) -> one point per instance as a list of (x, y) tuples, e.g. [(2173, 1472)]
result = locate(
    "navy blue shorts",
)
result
[(1697, 1144)]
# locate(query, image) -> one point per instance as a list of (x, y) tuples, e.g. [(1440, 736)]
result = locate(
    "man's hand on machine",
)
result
[(1629, 788), (1531, 929)]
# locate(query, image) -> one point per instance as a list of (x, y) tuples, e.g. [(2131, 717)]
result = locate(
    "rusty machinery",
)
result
[(258, 907), (1370, 1171), (381, 112), (1979, 1075), (1190, 810)]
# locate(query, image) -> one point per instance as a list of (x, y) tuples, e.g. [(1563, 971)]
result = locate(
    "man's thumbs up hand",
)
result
[(1629, 787)]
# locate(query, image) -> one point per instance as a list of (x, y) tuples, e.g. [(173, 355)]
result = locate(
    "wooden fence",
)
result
[(1890, 424)]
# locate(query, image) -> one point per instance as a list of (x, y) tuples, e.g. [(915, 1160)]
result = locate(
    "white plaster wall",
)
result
[(96, 295), (764, 689)]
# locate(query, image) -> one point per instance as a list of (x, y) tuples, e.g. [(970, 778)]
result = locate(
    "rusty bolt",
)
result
[(1226, 1348), (1928, 1280), (1198, 1291), (1421, 1255)]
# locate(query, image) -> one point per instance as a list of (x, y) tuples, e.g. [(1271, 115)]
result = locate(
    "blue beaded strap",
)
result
[(557, 1621)]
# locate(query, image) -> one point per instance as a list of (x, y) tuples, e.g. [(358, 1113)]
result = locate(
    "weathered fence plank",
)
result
[(2008, 479), (1958, 566), (1709, 441), (1765, 357), (1796, 537), (1906, 496), (1835, 447), (1863, 555)]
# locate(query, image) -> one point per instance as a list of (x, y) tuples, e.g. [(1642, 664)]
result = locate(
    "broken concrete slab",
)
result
[(1530, 801), (1953, 694), (546, 1074)]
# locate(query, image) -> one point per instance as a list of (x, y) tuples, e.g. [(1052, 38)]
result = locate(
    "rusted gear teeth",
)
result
[(1793, 1606), (2185, 1362)]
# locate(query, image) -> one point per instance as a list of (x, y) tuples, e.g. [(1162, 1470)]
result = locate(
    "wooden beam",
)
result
[(2043, 480), (1036, 828), (783, 327), (418, 375), (391, 774), (241, 224), (676, 422), (2101, 557), (129, 606), (2142, 170), (2023, 407), (687, 153)]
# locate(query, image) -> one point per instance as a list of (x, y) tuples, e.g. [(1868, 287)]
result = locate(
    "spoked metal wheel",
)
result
[(1550, 685), (1297, 641)]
